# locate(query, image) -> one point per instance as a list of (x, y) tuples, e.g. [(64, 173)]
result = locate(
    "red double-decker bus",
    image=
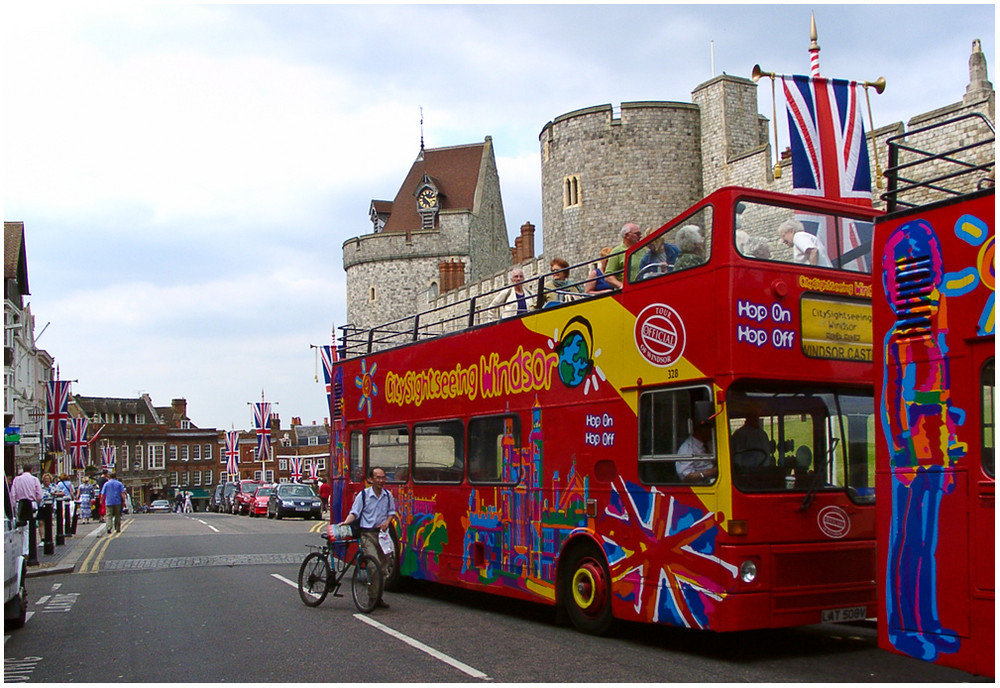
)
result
[(694, 449), (934, 314)]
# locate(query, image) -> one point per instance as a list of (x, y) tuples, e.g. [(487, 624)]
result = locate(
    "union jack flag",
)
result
[(262, 423), (108, 457), (295, 468), (232, 452), (78, 444), (830, 159), (57, 407), (314, 470)]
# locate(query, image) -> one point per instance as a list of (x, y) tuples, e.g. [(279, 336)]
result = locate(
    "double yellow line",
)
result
[(92, 563)]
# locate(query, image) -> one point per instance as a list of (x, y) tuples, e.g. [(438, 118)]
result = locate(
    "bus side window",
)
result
[(667, 438), (357, 456), (438, 453), (389, 449), (494, 445)]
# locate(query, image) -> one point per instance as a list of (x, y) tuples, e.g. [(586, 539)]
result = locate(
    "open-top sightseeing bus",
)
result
[(934, 325), (694, 449)]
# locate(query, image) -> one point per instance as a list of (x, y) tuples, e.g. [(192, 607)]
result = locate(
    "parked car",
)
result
[(294, 499), (243, 496), (160, 506), (215, 501), (15, 564), (258, 506), (226, 503)]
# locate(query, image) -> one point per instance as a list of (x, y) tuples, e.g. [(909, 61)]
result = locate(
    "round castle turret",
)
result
[(602, 168)]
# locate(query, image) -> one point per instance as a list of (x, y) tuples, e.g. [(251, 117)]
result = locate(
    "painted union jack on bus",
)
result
[(262, 423), (78, 444), (232, 452), (108, 457), (830, 160), (57, 407)]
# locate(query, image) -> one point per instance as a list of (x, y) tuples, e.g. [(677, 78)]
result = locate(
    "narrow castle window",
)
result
[(371, 295), (571, 191)]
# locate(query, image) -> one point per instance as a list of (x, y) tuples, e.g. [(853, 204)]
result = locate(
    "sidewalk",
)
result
[(65, 557)]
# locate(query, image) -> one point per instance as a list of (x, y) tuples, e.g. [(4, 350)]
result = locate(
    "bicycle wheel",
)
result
[(313, 575), (366, 583)]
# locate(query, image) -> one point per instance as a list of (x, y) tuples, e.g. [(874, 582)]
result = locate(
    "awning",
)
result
[(196, 493)]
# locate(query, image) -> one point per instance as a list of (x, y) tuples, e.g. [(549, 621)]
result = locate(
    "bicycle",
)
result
[(324, 568)]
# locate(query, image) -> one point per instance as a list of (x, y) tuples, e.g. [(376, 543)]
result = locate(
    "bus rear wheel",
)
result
[(587, 591)]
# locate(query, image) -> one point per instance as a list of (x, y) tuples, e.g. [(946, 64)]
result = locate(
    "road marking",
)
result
[(205, 524), (99, 548), (436, 654), (461, 666), (43, 599), (285, 580)]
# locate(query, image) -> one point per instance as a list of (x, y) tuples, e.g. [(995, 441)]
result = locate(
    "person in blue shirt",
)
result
[(374, 508), (113, 493)]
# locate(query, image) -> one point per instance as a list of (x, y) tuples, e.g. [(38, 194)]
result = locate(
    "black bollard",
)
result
[(67, 519), (48, 545), (60, 536), (27, 515), (76, 517)]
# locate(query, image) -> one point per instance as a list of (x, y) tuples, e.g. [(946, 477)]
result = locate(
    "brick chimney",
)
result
[(527, 240), (179, 406)]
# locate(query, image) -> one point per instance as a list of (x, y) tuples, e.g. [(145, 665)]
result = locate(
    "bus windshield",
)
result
[(802, 439)]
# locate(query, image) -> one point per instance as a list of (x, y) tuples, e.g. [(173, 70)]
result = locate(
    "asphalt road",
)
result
[(212, 598)]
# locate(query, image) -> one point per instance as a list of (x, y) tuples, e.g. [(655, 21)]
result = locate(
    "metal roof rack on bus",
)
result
[(957, 166)]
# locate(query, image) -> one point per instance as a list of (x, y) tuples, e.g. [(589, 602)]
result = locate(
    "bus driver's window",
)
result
[(674, 447)]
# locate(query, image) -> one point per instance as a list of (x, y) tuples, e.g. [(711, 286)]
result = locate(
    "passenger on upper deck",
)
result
[(692, 247), (596, 282), (558, 287), (806, 248), (631, 235), (752, 246), (659, 258), (514, 300)]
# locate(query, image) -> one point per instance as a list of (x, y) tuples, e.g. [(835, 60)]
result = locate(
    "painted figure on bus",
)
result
[(921, 425)]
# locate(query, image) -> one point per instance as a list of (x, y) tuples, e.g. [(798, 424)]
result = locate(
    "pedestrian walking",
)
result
[(86, 499), (113, 493)]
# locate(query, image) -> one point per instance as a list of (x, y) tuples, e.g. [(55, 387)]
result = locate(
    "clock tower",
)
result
[(427, 202)]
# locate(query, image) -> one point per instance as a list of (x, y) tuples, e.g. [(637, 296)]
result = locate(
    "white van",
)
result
[(15, 564)]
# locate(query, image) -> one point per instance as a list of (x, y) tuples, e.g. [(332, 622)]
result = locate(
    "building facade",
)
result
[(26, 368)]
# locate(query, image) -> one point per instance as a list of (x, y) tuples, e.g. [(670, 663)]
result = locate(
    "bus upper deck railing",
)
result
[(916, 174), (478, 309)]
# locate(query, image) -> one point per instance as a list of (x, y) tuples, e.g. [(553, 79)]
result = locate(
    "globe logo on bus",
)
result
[(574, 359), (659, 335), (575, 351)]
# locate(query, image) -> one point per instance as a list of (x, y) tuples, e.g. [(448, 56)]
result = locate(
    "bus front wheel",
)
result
[(587, 591)]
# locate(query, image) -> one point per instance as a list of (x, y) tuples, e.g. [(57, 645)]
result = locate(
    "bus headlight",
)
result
[(748, 571)]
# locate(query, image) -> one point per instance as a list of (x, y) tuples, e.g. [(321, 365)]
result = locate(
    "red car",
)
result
[(243, 496), (258, 506)]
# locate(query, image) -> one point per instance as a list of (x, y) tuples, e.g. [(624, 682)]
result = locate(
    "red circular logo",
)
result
[(834, 522), (659, 335)]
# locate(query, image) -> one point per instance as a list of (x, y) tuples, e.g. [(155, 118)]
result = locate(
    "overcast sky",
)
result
[(187, 174)]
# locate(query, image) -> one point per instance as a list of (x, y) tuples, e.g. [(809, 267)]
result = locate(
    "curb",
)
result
[(67, 563)]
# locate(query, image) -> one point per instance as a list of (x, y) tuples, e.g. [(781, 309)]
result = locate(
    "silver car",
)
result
[(15, 565)]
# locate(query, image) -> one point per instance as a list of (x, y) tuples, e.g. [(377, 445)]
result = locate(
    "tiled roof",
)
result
[(455, 170), (93, 405)]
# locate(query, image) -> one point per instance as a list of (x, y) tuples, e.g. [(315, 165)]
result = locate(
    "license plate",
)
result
[(302, 508), (844, 614)]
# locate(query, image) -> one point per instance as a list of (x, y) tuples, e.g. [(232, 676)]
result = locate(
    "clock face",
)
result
[(427, 198)]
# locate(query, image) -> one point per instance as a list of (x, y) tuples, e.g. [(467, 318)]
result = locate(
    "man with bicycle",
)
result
[(374, 508)]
